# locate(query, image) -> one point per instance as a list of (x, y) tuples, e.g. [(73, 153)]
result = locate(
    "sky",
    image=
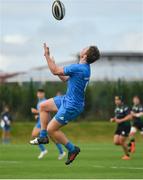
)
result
[(112, 25)]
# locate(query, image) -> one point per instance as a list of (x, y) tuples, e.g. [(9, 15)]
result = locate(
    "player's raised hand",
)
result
[(46, 50)]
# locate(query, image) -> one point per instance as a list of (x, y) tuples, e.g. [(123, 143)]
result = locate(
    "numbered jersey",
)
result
[(79, 75)]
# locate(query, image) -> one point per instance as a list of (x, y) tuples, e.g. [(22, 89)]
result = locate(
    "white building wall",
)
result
[(130, 69)]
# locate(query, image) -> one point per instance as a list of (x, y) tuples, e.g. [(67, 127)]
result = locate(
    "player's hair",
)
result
[(41, 90), (120, 97), (137, 96), (93, 54), (6, 107)]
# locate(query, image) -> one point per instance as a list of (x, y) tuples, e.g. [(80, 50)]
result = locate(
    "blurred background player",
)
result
[(36, 130), (137, 112), (6, 120), (122, 118)]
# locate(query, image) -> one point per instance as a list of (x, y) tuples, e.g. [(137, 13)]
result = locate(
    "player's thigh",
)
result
[(35, 132), (49, 106), (116, 139)]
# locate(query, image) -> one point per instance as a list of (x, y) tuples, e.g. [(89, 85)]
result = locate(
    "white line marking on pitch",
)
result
[(9, 161), (99, 166), (115, 167)]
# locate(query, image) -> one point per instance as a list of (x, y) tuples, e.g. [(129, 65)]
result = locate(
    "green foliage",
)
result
[(99, 97)]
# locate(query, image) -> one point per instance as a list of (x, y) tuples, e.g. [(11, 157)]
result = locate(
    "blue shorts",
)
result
[(38, 124), (65, 114)]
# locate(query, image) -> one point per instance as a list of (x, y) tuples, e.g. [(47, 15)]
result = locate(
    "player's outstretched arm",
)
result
[(56, 70)]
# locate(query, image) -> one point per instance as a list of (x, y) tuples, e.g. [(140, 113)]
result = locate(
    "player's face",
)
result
[(83, 53), (118, 102), (6, 109), (59, 93), (40, 95), (136, 101)]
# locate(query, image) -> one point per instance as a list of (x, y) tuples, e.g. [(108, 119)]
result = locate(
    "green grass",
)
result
[(99, 158)]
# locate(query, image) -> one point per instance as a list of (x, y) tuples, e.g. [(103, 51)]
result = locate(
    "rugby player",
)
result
[(6, 120), (137, 112), (70, 105), (36, 130), (122, 118)]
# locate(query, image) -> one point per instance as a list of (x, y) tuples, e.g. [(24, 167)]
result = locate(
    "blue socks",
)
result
[(42, 147), (70, 147), (59, 146), (43, 133)]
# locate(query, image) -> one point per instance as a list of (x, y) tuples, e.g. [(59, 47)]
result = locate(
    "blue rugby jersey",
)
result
[(79, 76)]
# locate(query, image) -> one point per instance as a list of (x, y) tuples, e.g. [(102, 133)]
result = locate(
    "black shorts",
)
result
[(123, 130), (138, 124)]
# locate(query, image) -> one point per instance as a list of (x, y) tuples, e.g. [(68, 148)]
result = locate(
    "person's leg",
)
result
[(7, 136), (59, 147), (45, 109), (42, 148), (3, 136), (124, 146), (116, 140), (55, 132), (131, 143), (62, 153), (35, 133)]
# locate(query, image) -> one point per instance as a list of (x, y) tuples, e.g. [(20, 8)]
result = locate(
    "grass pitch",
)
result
[(99, 158)]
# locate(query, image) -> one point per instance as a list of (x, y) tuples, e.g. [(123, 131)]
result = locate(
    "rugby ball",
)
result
[(58, 10)]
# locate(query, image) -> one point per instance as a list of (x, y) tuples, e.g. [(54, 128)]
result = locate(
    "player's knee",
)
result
[(42, 107), (132, 134), (122, 142), (117, 143)]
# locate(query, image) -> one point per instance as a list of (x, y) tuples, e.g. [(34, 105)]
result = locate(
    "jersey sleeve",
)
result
[(127, 110), (71, 69), (141, 109)]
